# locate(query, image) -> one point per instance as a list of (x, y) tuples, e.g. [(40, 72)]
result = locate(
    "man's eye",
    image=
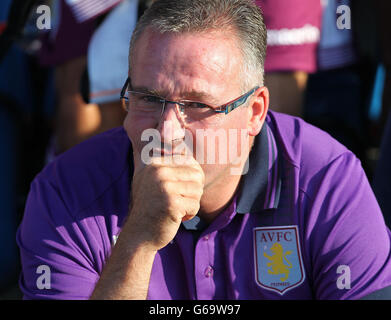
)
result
[(195, 105), (150, 99)]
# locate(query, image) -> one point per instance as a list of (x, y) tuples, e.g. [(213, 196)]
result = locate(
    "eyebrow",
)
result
[(197, 96), (146, 90)]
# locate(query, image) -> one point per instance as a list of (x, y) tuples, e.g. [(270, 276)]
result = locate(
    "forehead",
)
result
[(173, 61)]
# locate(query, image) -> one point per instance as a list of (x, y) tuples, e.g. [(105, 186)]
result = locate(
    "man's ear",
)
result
[(258, 110)]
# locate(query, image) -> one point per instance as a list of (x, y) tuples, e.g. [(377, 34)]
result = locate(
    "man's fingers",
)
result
[(190, 174), (175, 160), (188, 170), (192, 207), (188, 189)]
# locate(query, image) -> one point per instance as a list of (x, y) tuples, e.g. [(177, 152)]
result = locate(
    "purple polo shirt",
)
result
[(304, 224)]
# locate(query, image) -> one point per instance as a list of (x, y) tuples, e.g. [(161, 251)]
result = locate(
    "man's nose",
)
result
[(170, 125)]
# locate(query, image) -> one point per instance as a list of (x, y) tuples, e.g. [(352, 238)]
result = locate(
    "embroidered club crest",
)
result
[(278, 261)]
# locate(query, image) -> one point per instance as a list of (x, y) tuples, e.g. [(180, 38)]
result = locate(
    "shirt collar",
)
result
[(260, 188)]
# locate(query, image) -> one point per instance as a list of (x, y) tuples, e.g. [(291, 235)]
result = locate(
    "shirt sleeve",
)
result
[(56, 256), (346, 236)]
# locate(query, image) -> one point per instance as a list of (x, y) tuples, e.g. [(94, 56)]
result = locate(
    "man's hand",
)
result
[(164, 193)]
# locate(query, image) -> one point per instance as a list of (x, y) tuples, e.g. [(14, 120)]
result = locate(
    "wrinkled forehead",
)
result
[(215, 50)]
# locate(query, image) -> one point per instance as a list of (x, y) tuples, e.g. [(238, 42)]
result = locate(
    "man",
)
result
[(124, 216)]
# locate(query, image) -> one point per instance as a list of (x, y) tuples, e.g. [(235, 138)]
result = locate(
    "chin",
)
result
[(216, 175)]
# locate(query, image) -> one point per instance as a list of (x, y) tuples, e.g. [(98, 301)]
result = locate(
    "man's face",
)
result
[(203, 67)]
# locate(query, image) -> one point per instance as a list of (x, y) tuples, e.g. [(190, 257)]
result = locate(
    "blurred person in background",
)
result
[(65, 48), (382, 177), (107, 56), (336, 99), (293, 28)]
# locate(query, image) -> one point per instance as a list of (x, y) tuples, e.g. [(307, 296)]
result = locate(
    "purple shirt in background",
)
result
[(293, 28), (304, 224), (68, 40)]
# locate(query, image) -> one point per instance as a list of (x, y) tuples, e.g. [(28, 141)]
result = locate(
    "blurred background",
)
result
[(63, 64)]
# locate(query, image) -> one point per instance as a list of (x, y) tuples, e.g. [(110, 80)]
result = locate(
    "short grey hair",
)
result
[(243, 17)]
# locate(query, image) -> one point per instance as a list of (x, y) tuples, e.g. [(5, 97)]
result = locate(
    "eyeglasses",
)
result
[(191, 111)]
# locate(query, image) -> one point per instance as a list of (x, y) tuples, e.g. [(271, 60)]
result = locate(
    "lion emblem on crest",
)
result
[(277, 261)]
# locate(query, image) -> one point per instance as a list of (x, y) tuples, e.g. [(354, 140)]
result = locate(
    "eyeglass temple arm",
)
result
[(124, 88), (237, 103)]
